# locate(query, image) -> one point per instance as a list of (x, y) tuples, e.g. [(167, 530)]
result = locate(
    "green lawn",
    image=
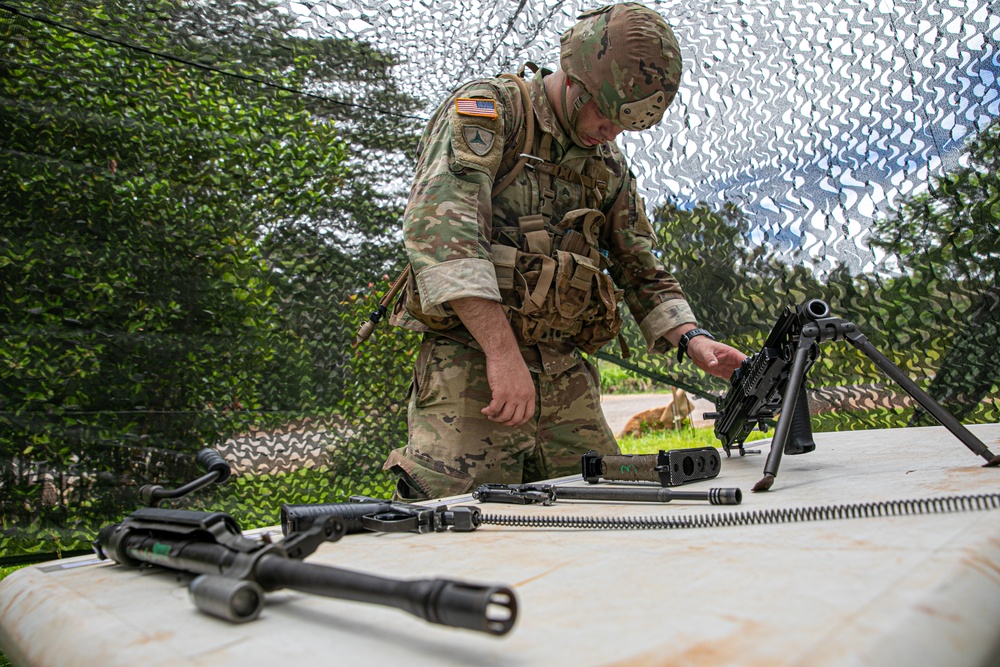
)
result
[(685, 438)]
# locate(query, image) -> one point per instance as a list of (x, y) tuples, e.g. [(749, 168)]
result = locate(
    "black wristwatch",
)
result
[(682, 344)]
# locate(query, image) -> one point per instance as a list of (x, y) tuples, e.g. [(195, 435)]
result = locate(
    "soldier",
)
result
[(521, 207)]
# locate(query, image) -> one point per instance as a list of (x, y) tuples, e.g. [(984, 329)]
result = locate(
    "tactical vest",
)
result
[(545, 242)]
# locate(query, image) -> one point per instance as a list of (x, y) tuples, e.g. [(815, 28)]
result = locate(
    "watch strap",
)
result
[(682, 344)]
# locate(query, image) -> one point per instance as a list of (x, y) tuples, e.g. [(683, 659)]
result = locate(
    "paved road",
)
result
[(619, 407)]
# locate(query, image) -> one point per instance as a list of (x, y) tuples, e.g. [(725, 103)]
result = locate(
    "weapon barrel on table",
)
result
[(716, 496), (234, 571), (489, 609), (546, 494)]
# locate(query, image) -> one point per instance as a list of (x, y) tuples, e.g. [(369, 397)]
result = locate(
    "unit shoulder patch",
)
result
[(478, 139)]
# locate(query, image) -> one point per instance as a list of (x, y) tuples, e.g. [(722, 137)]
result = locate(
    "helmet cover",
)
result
[(626, 58)]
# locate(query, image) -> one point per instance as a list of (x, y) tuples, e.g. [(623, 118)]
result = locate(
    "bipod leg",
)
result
[(860, 341), (796, 377)]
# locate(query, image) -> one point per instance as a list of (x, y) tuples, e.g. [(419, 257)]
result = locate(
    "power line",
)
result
[(208, 68)]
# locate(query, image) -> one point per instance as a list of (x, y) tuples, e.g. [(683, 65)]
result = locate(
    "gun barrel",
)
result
[(489, 609), (815, 309), (719, 496)]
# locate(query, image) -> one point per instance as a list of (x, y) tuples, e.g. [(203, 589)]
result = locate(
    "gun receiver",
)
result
[(234, 571), (773, 382), (758, 386), (668, 468), (546, 494)]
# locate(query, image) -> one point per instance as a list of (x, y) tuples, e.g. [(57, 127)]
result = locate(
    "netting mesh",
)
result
[(200, 204)]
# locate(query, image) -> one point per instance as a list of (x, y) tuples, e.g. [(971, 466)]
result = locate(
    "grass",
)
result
[(685, 438), (618, 380), (841, 420)]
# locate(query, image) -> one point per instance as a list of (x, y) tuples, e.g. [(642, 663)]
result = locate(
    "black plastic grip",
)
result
[(297, 518), (212, 461)]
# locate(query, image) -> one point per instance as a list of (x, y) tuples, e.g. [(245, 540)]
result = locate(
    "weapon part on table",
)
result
[(362, 514), (668, 468), (217, 472), (232, 572), (546, 494), (772, 382), (235, 571)]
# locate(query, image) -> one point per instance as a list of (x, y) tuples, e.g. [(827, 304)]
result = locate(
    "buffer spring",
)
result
[(887, 508)]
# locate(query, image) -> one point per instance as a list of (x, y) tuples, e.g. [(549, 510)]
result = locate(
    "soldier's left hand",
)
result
[(714, 357)]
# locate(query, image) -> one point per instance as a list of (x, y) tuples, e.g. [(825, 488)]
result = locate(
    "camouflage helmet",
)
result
[(626, 58)]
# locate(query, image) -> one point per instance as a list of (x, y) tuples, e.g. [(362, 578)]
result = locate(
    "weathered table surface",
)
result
[(903, 590)]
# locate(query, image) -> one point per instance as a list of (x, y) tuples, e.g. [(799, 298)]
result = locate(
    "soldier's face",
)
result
[(592, 126)]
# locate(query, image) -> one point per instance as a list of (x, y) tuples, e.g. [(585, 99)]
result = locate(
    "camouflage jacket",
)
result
[(474, 139)]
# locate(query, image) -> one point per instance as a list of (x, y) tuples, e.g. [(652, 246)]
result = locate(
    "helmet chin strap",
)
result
[(572, 116)]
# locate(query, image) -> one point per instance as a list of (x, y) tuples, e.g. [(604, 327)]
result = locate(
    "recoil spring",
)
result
[(887, 508)]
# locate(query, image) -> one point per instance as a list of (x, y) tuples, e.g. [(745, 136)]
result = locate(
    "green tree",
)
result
[(947, 240), (734, 286), (737, 289), (152, 217)]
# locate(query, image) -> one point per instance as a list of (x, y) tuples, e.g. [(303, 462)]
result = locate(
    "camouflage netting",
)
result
[(199, 205)]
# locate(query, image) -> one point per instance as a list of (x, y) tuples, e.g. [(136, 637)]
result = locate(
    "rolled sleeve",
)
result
[(457, 279), (663, 318)]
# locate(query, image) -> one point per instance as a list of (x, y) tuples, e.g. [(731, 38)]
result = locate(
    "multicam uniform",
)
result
[(540, 247)]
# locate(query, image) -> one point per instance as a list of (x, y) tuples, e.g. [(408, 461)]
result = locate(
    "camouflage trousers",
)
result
[(452, 447)]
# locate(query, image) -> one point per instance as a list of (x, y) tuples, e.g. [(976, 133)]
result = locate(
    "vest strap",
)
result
[(529, 134), (536, 237), (504, 258), (545, 277)]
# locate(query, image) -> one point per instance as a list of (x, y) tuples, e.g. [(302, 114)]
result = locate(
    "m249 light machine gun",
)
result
[(772, 381), (234, 571)]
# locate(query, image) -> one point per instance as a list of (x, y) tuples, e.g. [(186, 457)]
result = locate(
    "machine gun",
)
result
[(773, 381), (234, 571), (758, 386), (546, 494)]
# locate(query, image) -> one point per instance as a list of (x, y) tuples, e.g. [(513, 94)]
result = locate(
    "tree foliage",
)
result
[(948, 242), (186, 190), (737, 290)]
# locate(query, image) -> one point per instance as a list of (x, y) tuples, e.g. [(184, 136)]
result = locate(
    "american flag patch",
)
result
[(470, 107)]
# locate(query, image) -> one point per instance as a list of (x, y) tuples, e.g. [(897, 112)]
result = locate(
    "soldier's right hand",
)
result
[(513, 390)]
